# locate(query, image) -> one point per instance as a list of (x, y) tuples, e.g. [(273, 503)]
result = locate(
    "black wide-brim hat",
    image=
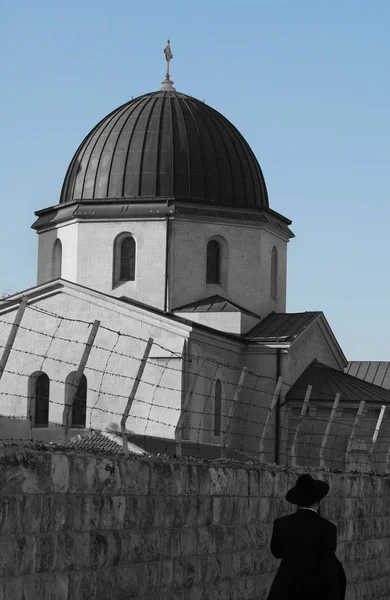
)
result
[(307, 491)]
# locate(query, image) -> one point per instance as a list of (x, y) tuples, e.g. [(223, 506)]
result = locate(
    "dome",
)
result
[(166, 145)]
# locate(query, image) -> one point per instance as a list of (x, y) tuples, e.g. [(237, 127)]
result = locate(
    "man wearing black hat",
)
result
[(306, 543)]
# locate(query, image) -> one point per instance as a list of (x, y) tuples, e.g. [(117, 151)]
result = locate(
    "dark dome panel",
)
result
[(166, 145)]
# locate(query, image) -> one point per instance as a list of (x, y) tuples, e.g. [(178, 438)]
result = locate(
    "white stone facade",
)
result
[(183, 356), (88, 257), (246, 250)]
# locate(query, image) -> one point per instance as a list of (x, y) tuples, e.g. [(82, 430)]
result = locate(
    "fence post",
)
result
[(301, 418), (76, 381), (12, 334), (327, 430), (376, 432), (355, 426), (237, 393), (184, 409), (271, 409), (133, 392)]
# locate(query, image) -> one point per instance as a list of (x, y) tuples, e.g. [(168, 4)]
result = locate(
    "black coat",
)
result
[(306, 543)]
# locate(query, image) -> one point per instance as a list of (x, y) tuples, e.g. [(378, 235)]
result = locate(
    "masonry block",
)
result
[(188, 542), (83, 585), (140, 511), (77, 471), (47, 587), (187, 572), (264, 507), (22, 470), (11, 588), (11, 513), (266, 484), (135, 476), (254, 482), (105, 584), (59, 473), (132, 580), (72, 551), (9, 556), (219, 481)]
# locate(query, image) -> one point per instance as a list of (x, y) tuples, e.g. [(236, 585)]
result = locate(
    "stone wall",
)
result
[(92, 527)]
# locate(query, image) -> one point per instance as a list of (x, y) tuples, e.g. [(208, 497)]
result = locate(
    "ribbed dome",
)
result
[(166, 145)]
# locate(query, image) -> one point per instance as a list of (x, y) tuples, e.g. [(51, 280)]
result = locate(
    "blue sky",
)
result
[(306, 82)]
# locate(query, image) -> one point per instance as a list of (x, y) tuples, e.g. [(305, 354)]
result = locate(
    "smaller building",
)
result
[(326, 383)]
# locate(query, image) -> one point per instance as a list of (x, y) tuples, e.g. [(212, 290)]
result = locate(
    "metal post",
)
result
[(271, 409), (184, 409), (76, 381), (133, 392), (376, 432), (236, 397), (301, 418), (327, 430), (354, 428), (12, 334)]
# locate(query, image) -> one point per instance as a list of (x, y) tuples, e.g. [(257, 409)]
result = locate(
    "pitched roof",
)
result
[(376, 372), (35, 294), (327, 382), (214, 304), (106, 442), (283, 326)]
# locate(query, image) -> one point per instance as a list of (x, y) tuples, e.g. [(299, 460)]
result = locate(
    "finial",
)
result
[(167, 84)]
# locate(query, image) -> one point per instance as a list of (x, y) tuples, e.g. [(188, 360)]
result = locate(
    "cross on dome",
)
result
[(167, 84)]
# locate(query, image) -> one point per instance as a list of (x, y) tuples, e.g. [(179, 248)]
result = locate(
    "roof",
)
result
[(154, 445), (327, 382), (213, 304), (166, 144), (35, 293), (283, 326), (106, 442), (377, 372), (111, 443), (288, 326)]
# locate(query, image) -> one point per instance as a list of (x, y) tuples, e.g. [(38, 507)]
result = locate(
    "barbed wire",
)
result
[(141, 339), (308, 448), (131, 357), (157, 408)]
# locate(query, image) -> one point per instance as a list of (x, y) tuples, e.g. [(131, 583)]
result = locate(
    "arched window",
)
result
[(217, 407), (79, 408), (39, 392), (213, 266), (274, 273), (57, 259), (124, 258)]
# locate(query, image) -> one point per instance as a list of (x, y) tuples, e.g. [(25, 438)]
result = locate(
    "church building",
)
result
[(163, 230)]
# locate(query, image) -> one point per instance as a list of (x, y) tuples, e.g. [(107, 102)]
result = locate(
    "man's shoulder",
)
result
[(325, 523), (328, 524), (284, 519)]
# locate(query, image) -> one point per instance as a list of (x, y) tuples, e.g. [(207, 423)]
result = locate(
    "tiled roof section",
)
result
[(327, 382), (376, 372), (101, 441), (283, 326), (213, 304)]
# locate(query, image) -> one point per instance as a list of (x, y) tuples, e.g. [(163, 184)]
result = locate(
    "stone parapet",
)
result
[(91, 527)]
